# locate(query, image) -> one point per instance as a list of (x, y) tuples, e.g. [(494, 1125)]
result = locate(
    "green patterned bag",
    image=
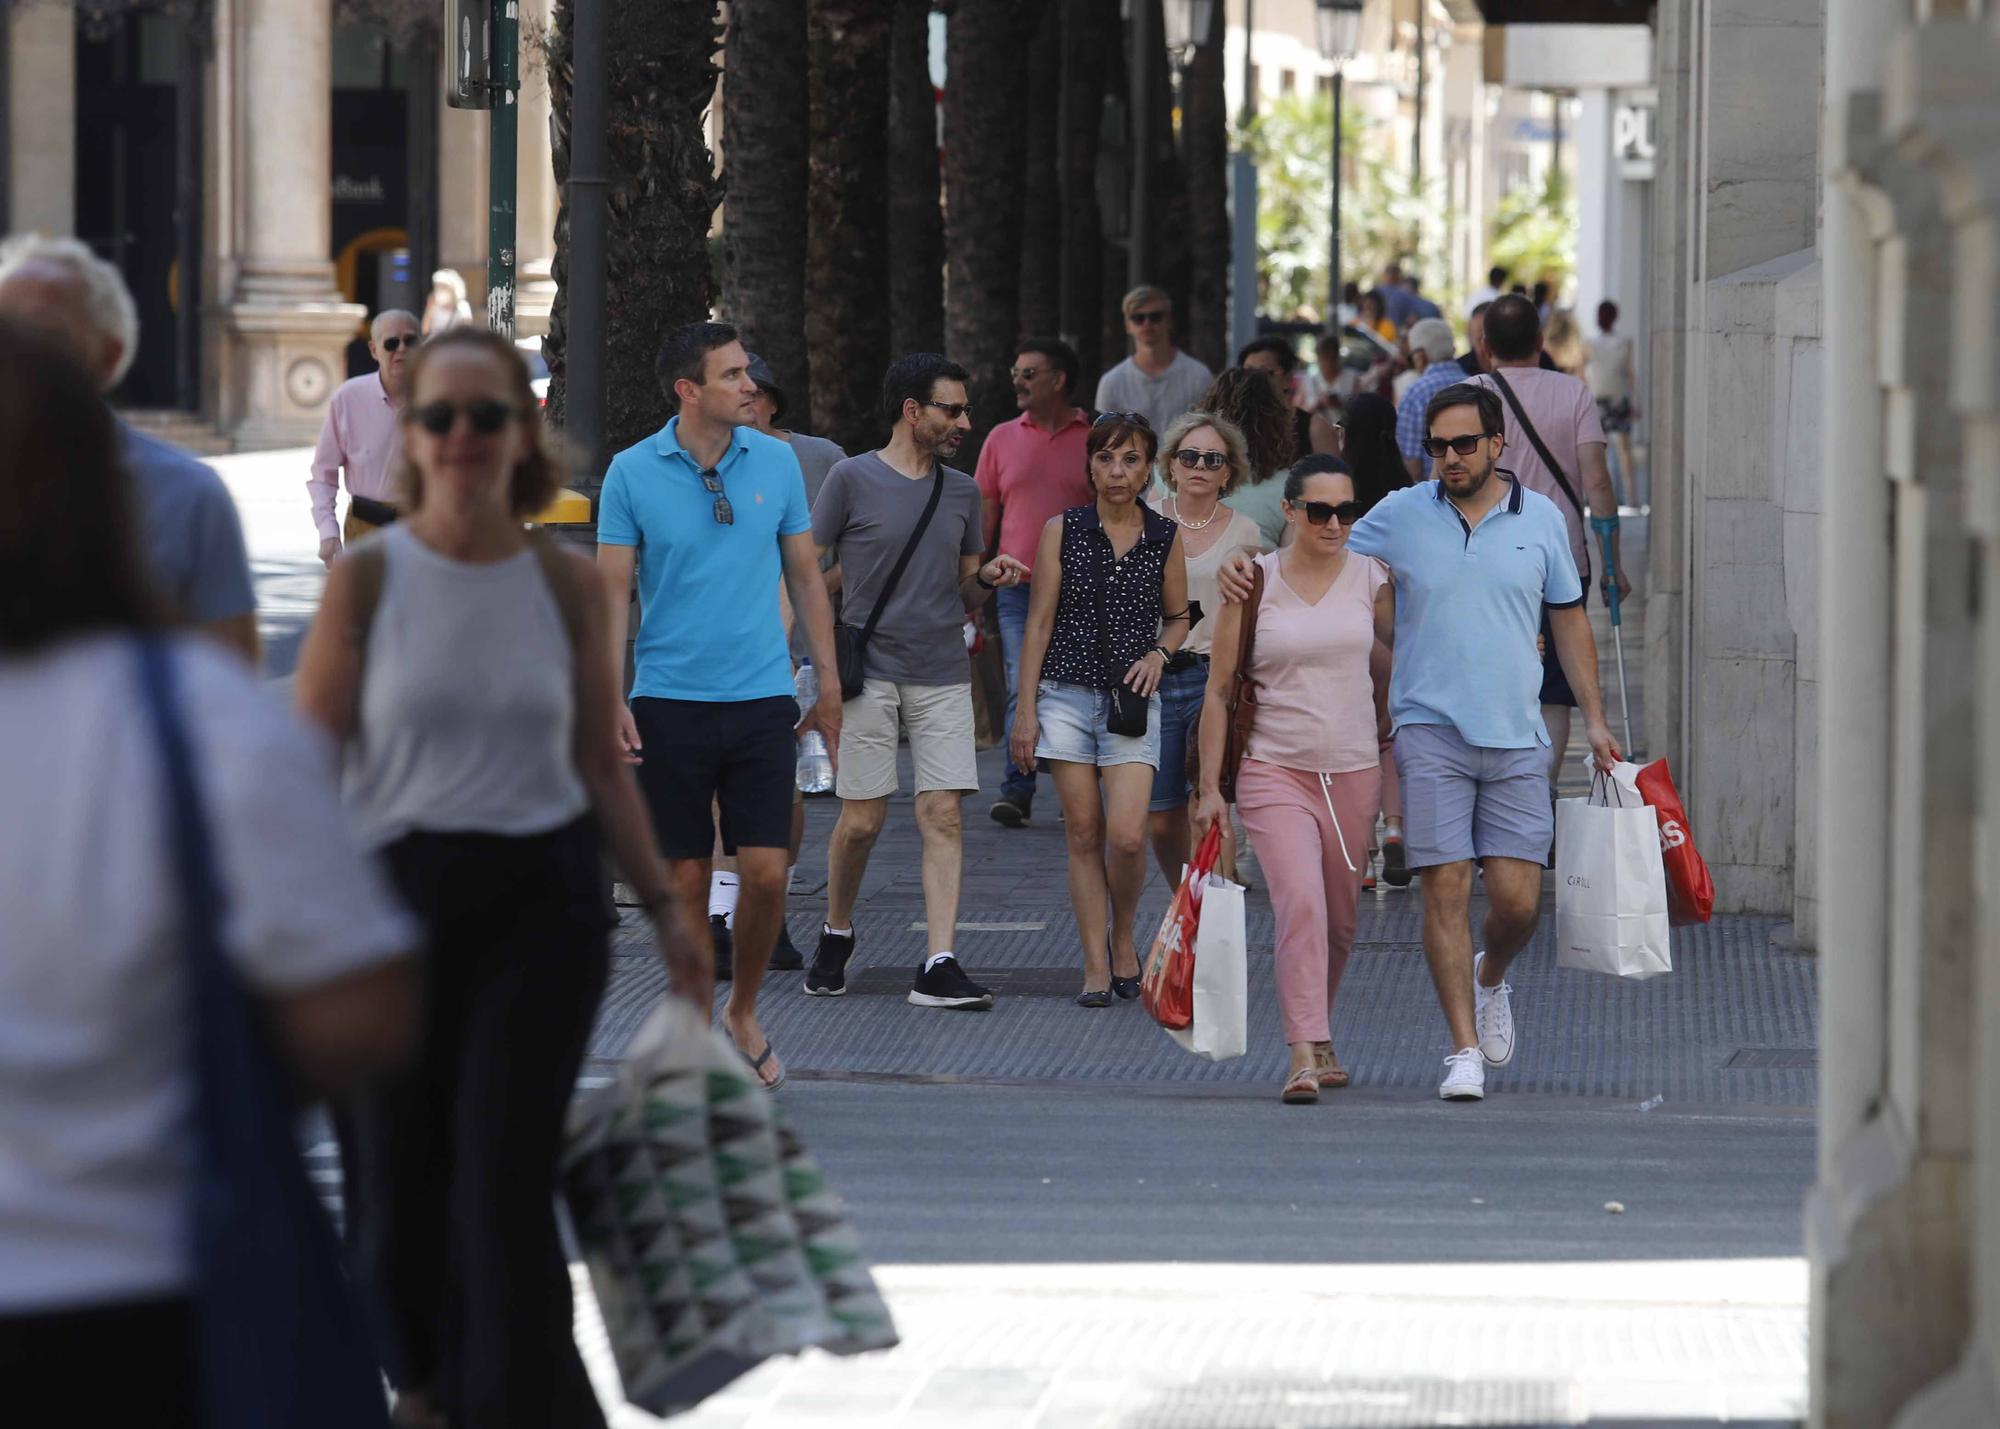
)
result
[(712, 1238)]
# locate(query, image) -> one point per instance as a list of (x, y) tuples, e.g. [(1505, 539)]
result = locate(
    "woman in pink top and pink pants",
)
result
[(1311, 778)]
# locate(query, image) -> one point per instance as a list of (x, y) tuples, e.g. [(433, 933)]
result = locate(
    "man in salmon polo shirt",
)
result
[(1029, 470)]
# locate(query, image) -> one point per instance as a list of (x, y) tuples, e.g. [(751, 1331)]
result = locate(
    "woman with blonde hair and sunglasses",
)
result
[(464, 666), (1311, 777), (1202, 460)]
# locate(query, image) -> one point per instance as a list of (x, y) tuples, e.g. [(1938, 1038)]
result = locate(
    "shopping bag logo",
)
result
[(1672, 835)]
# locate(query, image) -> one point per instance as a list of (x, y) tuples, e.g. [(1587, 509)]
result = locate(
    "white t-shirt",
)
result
[(94, 1083)]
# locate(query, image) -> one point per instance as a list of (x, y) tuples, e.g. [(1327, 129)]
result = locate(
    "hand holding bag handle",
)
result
[(279, 1341), (1548, 460), (850, 646)]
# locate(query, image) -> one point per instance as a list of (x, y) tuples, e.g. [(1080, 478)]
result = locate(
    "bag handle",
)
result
[(1600, 781), (1542, 451), (909, 549), (187, 826)]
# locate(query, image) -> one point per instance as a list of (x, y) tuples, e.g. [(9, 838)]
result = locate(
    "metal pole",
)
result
[(6, 138), (1138, 251), (502, 157), (1417, 130), (1333, 285), (589, 162), (1249, 68)]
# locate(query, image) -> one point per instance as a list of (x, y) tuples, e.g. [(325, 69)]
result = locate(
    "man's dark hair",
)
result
[(1279, 347), (1468, 394), (1060, 354), (1495, 276), (1513, 328), (1393, 271), (1318, 464), (685, 354), (1479, 310), (914, 378), (1607, 315), (1327, 340), (1413, 282), (1541, 294)]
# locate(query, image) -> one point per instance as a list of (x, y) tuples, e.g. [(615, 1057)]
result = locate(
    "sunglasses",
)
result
[(1318, 513), (1130, 419), (485, 416), (953, 410), (391, 344), (1435, 447), (1149, 317), (725, 514), (1024, 374), (1197, 460)]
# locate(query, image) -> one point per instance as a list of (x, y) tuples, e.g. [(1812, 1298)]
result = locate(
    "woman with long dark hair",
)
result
[(466, 670), (1368, 448), (98, 1099), (1108, 615), (1248, 400)]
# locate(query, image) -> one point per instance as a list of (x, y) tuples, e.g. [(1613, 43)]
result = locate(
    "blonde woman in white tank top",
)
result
[(1202, 460), (476, 703)]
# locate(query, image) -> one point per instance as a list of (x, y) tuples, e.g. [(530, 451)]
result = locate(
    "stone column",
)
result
[(40, 95), (536, 197), (288, 326), (462, 209)]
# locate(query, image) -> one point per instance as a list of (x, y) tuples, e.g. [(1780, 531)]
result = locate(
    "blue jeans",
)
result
[(1011, 606)]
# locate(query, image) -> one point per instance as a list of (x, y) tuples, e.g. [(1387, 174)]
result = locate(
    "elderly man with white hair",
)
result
[(190, 531), (1431, 347), (362, 437)]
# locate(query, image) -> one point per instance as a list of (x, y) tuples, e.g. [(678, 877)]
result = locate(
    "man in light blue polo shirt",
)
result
[(707, 513), (1476, 559)]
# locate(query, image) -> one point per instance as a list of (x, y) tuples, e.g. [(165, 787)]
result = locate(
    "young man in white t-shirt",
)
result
[(1158, 381)]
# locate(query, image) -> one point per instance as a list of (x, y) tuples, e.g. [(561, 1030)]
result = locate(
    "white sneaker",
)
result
[(1493, 1015), (1464, 1077)]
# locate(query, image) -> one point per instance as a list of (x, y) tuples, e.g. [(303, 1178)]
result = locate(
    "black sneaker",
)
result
[(786, 957), (946, 985), (1010, 810), (725, 947), (827, 977), (1395, 864)]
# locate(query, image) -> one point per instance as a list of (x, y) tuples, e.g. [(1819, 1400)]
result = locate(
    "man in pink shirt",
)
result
[(1563, 413), (363, 437), (1030, 469)]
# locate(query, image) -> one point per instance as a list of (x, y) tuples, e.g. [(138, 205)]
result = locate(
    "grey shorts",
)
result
[(1463, 802)]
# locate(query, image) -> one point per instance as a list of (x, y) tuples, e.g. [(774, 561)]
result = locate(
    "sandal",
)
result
[(1303, 1088), (762, 1060), (1331, 1073)]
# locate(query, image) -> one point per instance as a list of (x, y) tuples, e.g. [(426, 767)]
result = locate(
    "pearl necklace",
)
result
[(1188, 525)]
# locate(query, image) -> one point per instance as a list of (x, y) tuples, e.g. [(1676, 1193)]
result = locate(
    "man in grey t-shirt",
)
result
[(1158, 380), (918, 677)]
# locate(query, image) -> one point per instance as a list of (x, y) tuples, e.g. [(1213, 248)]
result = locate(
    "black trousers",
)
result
[(131, 1363), (452, 1168)]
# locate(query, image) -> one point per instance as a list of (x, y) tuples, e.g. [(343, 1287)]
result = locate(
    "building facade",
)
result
[(266, 175), (1824, 649)]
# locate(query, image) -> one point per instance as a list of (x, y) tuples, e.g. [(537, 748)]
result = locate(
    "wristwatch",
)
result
[(1165, 654), (984, 584)]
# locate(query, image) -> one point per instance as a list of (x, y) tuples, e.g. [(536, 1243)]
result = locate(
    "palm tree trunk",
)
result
[(985, 147), (916, 205), (1089, 35), (1042, 228), (662, 197), (765, 170), (847, 245), (1205, 146)]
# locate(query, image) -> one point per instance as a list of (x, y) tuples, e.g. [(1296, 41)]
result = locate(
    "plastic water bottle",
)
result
[(815, 773)]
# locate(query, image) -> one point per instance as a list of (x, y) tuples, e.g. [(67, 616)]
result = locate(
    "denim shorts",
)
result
[(1072, 728), (1180, 700)]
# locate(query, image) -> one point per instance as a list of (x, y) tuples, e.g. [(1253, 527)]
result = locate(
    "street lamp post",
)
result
[(1339, 38), (1185, 25)]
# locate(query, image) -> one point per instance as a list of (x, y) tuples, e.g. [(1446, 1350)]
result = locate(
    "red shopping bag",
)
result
[(1690, 891), (1168, 989)]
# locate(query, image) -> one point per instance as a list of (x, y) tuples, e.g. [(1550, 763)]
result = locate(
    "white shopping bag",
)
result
[(1611, 886), (1221, 1026)]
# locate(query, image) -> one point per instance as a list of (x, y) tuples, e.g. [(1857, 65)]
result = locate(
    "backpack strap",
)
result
[(563, 585)]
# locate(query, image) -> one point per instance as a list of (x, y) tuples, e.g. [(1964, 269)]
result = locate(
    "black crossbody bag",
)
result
[(1127, 710), (850, 646), (1548, 460)]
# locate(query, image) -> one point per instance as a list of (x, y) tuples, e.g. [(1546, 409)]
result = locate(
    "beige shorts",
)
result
[(938, 719)]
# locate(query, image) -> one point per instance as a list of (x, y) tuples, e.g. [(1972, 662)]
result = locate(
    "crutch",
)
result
[(1605, 527)]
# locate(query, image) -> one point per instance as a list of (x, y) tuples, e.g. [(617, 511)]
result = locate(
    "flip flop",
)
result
[(758, 1063)]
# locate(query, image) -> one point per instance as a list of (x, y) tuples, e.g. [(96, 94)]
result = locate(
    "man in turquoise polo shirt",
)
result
[(708, 513), (1476, 559)]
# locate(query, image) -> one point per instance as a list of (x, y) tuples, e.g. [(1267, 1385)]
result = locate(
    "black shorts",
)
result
[(1555, 684), (696, 753)]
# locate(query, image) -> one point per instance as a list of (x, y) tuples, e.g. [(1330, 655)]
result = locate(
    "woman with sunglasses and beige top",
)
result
[(1308, 785), (1109, 610), (466, 670), (1202, 461)]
